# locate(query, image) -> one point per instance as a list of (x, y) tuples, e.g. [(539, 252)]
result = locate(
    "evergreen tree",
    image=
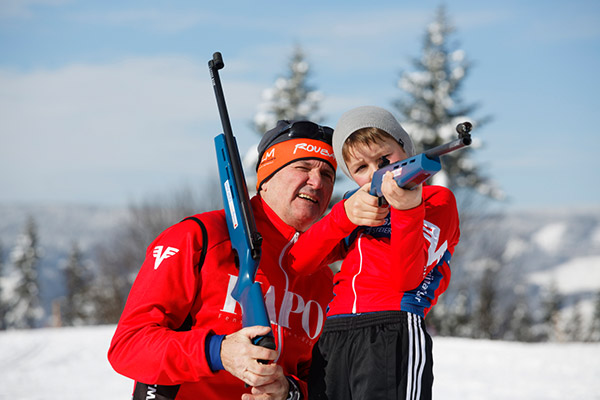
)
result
[(574, 325), (594, 332), (551, 307), (292, 97), (3, 300), (25, 310), (77, 307), (485, 320), (521, 320), (452, 318), (431, 106)]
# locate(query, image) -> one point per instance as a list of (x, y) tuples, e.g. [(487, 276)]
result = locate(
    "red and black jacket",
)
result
[(401, 265)]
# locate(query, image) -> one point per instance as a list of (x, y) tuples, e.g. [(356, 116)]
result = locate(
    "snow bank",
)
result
[(59, 363), (70, 363), (470, 369)]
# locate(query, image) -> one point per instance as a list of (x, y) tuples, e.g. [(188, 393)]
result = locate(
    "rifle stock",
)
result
[(245, 239)]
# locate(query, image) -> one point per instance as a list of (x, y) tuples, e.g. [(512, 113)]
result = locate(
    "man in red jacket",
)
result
[(190, 275)]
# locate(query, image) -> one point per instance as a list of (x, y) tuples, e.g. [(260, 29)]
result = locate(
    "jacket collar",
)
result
[(262, 211)]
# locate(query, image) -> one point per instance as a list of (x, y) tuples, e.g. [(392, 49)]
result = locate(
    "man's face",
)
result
[(300, 192), (364, 160)]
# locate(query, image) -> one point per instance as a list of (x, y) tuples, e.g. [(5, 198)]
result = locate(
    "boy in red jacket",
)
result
[(374, 343)]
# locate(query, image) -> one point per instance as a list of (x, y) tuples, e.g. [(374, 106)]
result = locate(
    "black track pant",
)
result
[(383, 355)]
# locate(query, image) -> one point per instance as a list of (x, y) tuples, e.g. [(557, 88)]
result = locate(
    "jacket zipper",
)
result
[(285, 296), (360, 265)]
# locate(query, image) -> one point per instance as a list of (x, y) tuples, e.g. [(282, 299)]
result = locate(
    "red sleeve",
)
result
[(408, 250), (421, 236), (442, 227), (321, 244), (145, 346)]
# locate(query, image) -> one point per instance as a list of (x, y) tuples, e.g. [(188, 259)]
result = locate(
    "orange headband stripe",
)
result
[(281, 154)]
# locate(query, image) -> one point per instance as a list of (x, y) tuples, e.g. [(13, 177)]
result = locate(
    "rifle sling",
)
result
[(144, 391)]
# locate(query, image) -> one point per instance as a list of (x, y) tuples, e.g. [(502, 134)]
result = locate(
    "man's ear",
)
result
[(263, 187)]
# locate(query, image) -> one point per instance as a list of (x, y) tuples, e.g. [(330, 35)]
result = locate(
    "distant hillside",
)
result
[(561, 247), (59, 227), (533, 249), (531, 253)]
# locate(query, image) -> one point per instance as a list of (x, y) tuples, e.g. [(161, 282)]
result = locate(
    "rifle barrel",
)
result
[(448, 147), (254, 238)]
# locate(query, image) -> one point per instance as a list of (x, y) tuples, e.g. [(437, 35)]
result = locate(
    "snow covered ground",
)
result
[(70, 363)]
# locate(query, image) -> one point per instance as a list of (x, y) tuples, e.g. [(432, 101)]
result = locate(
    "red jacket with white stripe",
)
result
[(169, 286), (401, 265)]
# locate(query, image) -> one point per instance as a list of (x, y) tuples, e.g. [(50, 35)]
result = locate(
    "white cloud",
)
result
[(23, 8), (116, 121), (130, 100), (151, 18)]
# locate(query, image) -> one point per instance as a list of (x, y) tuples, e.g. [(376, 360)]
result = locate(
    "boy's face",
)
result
[(364, 160)]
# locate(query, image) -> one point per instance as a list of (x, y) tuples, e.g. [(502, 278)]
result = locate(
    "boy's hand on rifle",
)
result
[(362, 208), (241, 358), (400, 199)]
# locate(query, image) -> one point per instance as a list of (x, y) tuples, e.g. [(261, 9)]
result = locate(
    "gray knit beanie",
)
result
[(368, 117)]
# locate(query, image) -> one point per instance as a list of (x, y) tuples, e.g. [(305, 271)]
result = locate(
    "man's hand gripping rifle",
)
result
[(415, 170), (245, 240)]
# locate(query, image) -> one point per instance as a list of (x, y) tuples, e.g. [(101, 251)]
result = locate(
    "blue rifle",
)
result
[(245, 239), (415, 170)]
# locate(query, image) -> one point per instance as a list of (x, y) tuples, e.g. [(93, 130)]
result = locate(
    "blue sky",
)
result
[(108, 102)]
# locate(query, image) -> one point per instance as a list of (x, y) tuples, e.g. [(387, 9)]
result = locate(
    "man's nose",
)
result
[(315, 179)]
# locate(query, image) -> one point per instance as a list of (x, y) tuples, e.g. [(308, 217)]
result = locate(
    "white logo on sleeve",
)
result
[(159, 255)]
